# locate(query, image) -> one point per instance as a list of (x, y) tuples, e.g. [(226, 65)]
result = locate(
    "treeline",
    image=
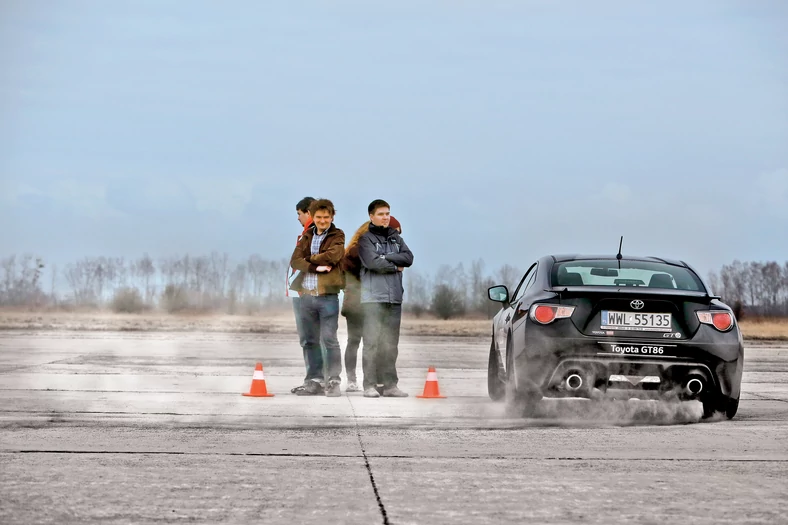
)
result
[(753, 288), (215, 283), (204, 283)]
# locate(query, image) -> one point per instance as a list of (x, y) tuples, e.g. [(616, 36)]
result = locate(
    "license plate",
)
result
[(647, 322)]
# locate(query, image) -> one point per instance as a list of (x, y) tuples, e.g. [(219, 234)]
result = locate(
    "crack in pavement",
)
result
[(366, 462), (762, 397), (58, 361)]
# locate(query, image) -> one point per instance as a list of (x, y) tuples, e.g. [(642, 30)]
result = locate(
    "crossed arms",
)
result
[(389, 263), (301, 260)]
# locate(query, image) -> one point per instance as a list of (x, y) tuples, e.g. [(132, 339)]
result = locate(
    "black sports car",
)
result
[(620, 327)]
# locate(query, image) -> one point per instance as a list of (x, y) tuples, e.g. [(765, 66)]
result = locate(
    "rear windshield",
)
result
[(632, 273)]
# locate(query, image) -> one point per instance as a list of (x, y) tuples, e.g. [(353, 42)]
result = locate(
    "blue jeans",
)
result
[(319, 321)]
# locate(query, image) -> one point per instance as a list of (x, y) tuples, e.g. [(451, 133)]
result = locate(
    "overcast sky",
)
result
[(500, 130)]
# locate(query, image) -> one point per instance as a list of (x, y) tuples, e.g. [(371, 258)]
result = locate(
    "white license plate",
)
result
[(646, 322)]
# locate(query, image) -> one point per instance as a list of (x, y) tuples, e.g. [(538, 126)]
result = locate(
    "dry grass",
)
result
[(452, 327), (273, 322), (277, 322), (765, 329)]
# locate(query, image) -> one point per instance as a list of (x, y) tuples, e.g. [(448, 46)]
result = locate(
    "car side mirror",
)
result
[(499, 294)]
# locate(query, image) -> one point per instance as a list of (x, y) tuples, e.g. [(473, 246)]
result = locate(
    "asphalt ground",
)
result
[(138, 427)]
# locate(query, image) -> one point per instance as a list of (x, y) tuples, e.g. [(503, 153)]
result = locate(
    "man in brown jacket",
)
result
[(319, 281)]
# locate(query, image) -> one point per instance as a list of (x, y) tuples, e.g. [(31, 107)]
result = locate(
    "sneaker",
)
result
[(299, 387), (312, 388), (394, 392), (333, 389), (371, 392), (352, 386)]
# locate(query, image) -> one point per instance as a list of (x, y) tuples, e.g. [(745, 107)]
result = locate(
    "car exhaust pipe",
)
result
[(694, 386), (574, 381)]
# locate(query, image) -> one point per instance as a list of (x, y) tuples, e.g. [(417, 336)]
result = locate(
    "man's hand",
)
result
[(323, 269), (400, 268)]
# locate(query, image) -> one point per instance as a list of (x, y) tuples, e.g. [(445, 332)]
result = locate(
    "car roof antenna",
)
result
[(618, 255)]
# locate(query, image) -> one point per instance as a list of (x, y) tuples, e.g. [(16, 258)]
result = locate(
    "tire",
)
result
[(521, 403), (726, 405), (496, 387), (731, 407)]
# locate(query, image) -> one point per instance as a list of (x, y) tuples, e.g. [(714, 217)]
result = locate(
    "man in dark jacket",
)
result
[(317, 258), (383, 256)]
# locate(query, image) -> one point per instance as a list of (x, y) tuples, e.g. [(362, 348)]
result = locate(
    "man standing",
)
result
[(318, 282), (305, 219), (383, 256)]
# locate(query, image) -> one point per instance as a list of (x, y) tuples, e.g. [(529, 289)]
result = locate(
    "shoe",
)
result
[(312, 388), (333, 389), (394, 392), (352, 386), (299, 387), (371, 392)]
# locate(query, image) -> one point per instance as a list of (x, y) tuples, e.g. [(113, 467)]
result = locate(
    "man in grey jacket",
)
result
[(383, 255)]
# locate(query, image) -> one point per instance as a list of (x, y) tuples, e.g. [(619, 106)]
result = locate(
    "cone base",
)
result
[(257, 395), (431, 397)]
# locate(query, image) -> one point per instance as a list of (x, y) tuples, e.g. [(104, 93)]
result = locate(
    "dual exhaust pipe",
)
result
[(693, 386)]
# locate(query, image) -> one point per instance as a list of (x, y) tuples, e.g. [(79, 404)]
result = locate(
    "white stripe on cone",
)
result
[(258, 374), (432, 376)]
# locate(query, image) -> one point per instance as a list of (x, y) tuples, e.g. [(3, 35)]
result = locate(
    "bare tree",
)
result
[(146, 270), (21, 284), (508, 276), (219, 272), (81, 277), (256, 268), (771, 284), (52, 289), (8, 266), (714, 282), (417, 292)]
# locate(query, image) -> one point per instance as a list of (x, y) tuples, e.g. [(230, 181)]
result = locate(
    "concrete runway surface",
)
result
[(151, 427)]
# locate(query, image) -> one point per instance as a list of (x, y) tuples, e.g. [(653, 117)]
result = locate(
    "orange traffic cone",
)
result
[(431, 389), (258, 388)]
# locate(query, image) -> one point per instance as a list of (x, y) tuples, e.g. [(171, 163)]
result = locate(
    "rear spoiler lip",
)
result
[(629, 290)]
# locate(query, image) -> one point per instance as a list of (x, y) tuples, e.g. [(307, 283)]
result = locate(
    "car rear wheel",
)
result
[(522, 403), (723, 404), (496, 387)]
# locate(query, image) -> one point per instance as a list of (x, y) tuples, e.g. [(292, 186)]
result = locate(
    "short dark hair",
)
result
[(304, 204), (377, 203), (322, 204)]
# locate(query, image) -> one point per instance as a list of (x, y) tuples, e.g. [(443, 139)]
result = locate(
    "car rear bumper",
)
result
[(556, 365)]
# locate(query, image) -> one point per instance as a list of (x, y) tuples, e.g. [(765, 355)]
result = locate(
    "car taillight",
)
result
[(722, 321), (547, 313)]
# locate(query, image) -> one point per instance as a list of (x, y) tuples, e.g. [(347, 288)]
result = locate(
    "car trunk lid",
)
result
[(636, 312)]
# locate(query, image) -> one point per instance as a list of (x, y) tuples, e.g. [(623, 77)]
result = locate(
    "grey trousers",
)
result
[(381, 343)]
